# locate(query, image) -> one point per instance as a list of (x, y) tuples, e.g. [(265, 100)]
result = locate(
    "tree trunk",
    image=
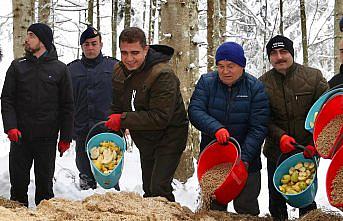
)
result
[(210, 36), (152, 19), (177, 29), (193, 141), (98, 15), (304, 32), (281, 18), (90, 11), (114, 27), (127, 21), (338, 12), (44, 7), (216, 27), (23, 13), (222, 21)]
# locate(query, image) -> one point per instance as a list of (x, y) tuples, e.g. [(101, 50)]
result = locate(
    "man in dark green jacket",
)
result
[(292, 89), (150, 105)]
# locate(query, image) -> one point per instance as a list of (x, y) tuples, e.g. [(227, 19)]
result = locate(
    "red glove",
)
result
[(113, 122), (286, 144), (310, 151), (222, 136), (14, 134), (63, 146)]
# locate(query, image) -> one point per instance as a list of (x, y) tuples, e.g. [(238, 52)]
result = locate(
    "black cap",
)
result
[(90, 32), (341, 24), (280, 41), (44, 33)]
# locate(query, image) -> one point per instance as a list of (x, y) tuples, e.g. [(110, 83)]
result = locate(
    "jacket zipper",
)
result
[(285, 102)]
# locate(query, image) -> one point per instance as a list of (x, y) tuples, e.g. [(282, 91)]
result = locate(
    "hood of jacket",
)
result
[(155, 55)]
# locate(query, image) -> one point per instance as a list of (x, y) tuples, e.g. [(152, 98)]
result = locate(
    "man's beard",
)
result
[(30, 50)]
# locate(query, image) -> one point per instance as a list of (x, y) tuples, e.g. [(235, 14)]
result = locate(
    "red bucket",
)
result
[(215, 154), (335, 165), (332, 108)]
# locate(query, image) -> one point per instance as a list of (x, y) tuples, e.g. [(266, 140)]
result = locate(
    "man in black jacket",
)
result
[(36, 106), (92, 89), (338, 78)]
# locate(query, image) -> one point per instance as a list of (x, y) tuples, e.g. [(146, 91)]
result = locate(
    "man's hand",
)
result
[(222, 136), (113, 122), (14, 135), (310, 151), (63, 146), (286, 144)]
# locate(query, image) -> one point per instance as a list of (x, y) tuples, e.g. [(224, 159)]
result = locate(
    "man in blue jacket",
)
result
[(92, 87), (230, 102)]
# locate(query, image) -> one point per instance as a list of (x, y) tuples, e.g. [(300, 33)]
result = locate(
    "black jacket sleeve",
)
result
[(8, 95), (66, 106)]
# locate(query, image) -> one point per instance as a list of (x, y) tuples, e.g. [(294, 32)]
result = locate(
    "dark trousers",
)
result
[(82, 161), (157, 173), (21, 157), (246, 202), (277, 203)]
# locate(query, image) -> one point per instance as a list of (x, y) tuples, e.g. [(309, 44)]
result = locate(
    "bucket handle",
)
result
[(236, 144), (95, 126), (301, 147)]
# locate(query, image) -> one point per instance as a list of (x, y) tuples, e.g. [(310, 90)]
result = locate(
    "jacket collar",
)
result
[(92, 62), (238, 82), (289, 71), (46, 56)]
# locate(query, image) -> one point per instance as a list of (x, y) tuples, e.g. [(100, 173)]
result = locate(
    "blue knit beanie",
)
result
[(231, 51)]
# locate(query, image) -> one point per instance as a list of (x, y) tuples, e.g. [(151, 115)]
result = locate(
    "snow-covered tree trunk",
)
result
[(303, 31), (216, 27), (281, 18), (175, 31), (22, 18), (338, 12), (90, 11), (152, 18), (44, 7), (193, 134), (114, 27), (98, 15), (210, 35), (127, 21)]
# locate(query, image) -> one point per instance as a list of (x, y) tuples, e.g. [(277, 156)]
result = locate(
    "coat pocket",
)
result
[(303, 101)]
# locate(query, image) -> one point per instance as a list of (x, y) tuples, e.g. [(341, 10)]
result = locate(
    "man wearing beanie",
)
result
[(292, 89), (229, 102), (92, 87), (36, 106)]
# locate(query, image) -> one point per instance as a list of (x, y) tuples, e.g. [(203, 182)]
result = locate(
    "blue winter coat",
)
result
[(243, 109), (92, 87)]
